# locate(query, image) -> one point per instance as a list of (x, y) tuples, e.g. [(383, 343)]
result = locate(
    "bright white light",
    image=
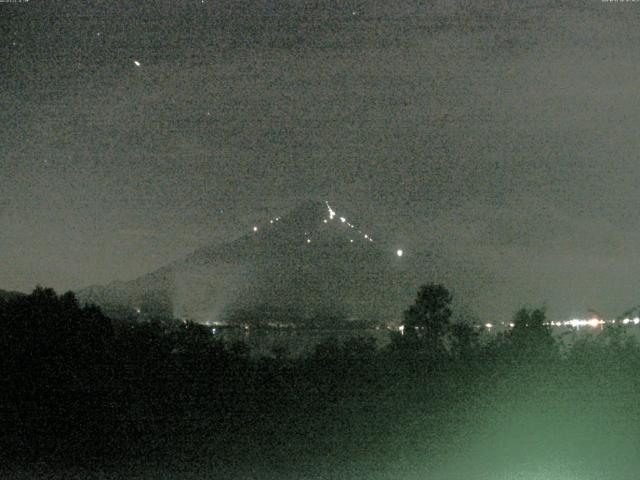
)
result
[(255, 229), (308, 240), (138, 311), (331, 212), (351, 240), (399, 252), (593, 323), (401, 329), (626, 321), (579, 322), (366, 236), (137, 63), (488, 325), (342, 219), (325, 220), (270, 221)]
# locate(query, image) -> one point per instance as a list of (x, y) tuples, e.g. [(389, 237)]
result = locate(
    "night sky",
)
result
[(496, 143)]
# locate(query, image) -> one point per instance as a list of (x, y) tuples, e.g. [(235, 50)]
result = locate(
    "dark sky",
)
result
[(495, 142)]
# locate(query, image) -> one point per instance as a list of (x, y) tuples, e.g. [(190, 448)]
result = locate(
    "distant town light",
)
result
[(593, 322), (255, 229), (308, 240), (399, 252)]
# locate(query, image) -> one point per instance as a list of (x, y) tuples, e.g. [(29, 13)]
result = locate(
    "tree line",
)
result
[(76, 384)]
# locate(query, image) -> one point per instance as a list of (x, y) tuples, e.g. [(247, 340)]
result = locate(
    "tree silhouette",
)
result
[(426, 324), (531, 337), (431, 313)]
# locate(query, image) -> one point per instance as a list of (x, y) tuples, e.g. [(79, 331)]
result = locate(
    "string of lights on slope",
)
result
[(332, 216)]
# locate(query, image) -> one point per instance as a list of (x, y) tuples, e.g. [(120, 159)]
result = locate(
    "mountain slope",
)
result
[(10, 295), (310, 265)]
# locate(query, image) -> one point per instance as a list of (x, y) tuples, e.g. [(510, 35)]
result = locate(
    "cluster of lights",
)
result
[(331, 212), (594, 322), (579, 322), (626, 321), (332, 215)]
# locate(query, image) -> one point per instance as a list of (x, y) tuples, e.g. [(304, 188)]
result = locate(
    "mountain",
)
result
[(311, 265), (10, 295)]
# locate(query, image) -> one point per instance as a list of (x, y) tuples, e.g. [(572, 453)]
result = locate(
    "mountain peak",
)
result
[(309, 221)]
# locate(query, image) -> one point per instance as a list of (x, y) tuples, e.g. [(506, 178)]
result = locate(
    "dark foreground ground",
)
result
[(152, 402)]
